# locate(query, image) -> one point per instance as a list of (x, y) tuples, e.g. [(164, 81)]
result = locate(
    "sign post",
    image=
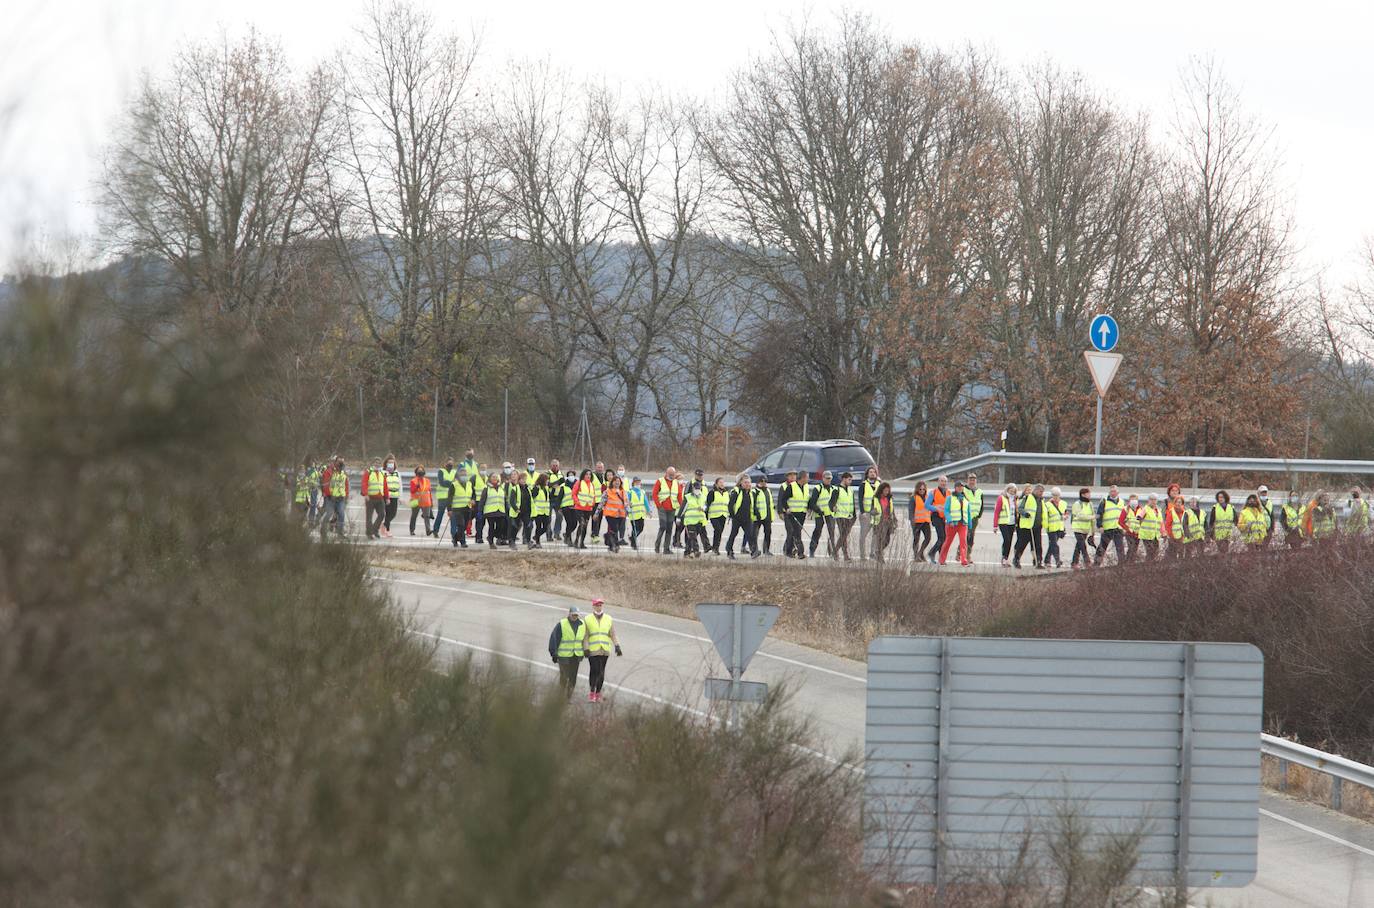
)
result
[(737, 631), (1103, 334)]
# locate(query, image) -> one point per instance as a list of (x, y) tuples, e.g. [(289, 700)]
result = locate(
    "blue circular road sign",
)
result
[(1104, 333)]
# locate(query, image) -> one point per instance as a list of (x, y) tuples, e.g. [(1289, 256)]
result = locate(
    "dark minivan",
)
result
[(838, 455)]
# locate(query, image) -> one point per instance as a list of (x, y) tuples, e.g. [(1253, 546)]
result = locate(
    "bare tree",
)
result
[(214, 171), (410, 207)]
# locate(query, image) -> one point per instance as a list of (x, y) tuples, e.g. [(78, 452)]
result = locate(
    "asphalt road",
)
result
[(1309, 856)]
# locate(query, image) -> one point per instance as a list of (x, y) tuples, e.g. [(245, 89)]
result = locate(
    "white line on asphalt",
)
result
[(1317, 832), (623, 689), (626, 621)]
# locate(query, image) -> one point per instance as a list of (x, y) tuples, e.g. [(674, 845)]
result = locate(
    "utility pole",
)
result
[(362, 422), (726, 419), (505, 428), (803, 427), (434, 444)]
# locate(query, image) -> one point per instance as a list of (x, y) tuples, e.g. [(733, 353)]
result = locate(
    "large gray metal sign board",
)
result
[(976, 745)]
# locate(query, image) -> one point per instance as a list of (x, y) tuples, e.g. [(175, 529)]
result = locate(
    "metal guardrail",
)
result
[(1339, 769), (1096, 462)]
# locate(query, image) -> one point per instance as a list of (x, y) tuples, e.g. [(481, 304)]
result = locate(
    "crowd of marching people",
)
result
[(513, 507)]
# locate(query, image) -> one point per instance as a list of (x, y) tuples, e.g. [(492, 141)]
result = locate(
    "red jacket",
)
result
[(670, 502), (386, 492), (327, 478)]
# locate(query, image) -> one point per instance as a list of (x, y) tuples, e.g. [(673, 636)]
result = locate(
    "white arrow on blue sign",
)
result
[(1104, 333)]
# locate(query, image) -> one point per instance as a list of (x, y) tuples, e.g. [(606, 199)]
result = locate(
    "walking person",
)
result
[(792, 504), (539, 509), (1356, 514), (1055, 510), (956, 524), (444, 483), (935, 502), (601, 639), (844, 510), (1109, 511), (1151, 527), (1195, 529), (1175, 528), (884, 518), (1253, 523), (1130, 527), (821, 503), (867, 493), (1321, 520), (302, 489), (667, 498), (421, 498), (567, 646), (584, 502), (919, 515), (717, 509), (461, 504), (614, 509), (1292, 516), (1030, 519), (568, 507), (393, 492), (741, 508), (493, 511), (1267, 505), (974, 496), (1221, 522), (374, 493), (1082, 519), (1004, 518), (599, 480), (692, 516), (555, 499), (517, 510), (638, 511), (334, 489), (764, 513)]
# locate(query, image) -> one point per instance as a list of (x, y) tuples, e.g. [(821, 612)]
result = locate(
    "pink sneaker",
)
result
[(591, 696)]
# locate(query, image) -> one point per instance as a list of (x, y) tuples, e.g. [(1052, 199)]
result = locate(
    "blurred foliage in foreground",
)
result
[(199, 706)]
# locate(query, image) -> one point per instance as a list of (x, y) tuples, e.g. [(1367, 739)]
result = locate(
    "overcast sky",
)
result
[(1304, 68)]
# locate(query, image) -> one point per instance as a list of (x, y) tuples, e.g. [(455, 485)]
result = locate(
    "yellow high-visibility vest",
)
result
[(571, 643), (598, 633)]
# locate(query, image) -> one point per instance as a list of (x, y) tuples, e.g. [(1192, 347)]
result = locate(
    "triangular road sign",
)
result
[(755, 621), (1103, 367)]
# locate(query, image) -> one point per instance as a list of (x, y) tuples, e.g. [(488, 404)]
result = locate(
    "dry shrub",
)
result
[(1311, 613)]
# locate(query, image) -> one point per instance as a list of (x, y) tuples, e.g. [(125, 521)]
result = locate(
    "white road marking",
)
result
[(1317, 832)]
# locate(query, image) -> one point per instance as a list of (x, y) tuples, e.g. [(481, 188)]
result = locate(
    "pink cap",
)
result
[(596, 602)]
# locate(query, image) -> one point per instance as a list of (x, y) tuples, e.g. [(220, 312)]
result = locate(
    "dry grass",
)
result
[(836, 612)]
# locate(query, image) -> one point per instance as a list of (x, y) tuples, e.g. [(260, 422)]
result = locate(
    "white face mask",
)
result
[(1134, 503), (390, 466), (620, 473), (505, 470)]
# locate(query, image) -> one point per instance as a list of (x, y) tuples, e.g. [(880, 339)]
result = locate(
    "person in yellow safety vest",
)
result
[(462, 498), (866, 492), (1221, 521), (820, 502), (479, 486), (1004, 516), (421, 498), (1130, 527), (600, 640), (494, 509), (442, 491), (692, 515), (555, 499), (1321, 519), (1292, 515), (740, 506), (1055, 510), (1029, 521), (393, 492), (844, 510), (1253, 523), (956, 518), (1082, 519), (717, 509), (1267, 505), (301, 498), (1357, 515), (1109, 511), (1195, 528), (1150, 526), (334, 488), (764, 512), (567, 646), (518, 520), (792, 496), (974, 496), (374, 492), (539, 509)]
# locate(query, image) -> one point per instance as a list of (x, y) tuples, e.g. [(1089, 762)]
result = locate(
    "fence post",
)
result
[(1335, 793)]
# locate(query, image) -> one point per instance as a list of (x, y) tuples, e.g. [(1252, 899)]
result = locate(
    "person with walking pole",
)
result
[(462, 497), (442, 490), (667, 497), (601, 639), (567, 646)]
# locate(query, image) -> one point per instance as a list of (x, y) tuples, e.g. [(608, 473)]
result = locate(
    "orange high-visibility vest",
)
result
[(920, 513), (615, 503)]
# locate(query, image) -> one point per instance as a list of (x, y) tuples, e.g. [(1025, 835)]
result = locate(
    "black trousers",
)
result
[(636, 529), (479, 523), (567, 674), (1113, 537), (496, 527), (579, 533), (792, 546), (1052, 550), (569, 523), (920, 538), (1081, 542), (763, 529), (1025, 538), (541, 527), (717, 531), (596, 664), (615, 526), (695, 540), (828, 523), (1008, 537), (749, 543), (937, 524), (391, 505), (457, 522)]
